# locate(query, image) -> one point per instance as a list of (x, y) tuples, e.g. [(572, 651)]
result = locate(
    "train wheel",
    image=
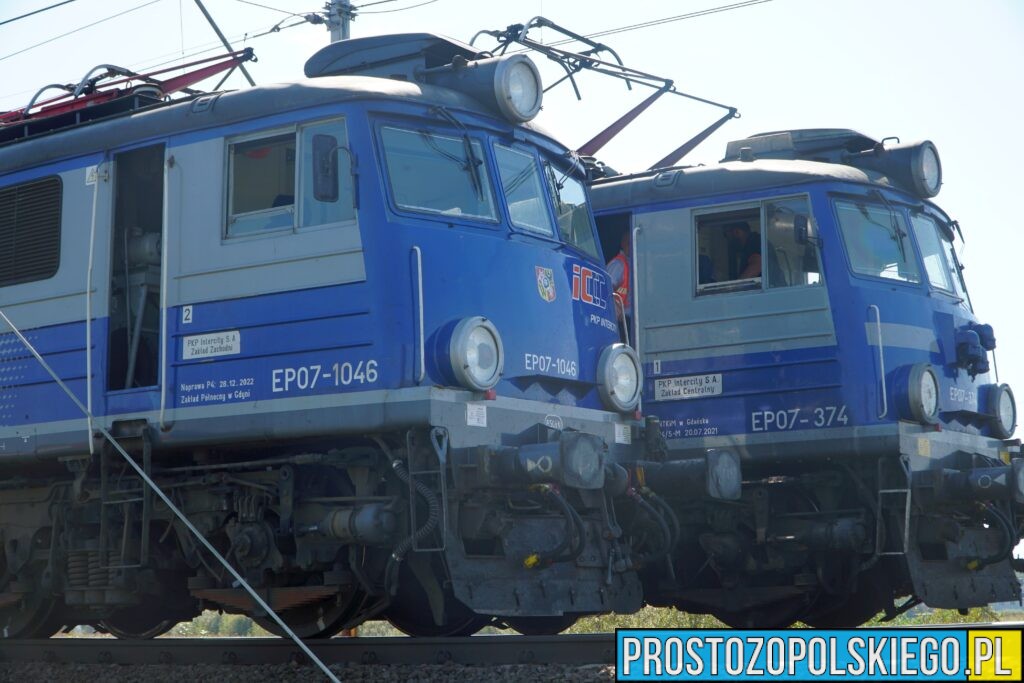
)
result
[(421, 624), (541, 626), (322, 619), (136, 623), (411, 613), (35, 616)]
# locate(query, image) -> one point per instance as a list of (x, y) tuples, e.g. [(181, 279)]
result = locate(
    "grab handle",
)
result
[(881, 358)]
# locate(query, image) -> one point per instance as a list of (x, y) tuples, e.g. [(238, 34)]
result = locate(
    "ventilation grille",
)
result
[(30, 231)]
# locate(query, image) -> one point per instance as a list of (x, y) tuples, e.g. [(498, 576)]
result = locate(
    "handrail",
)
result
[(881, 358), (634, 292), (88, 302), (420, 340), (164, 262)]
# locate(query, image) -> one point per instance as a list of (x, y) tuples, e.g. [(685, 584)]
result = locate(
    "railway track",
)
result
[(477, 650)]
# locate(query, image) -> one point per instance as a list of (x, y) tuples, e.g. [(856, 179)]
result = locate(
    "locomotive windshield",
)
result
[(940, 262), (521, 183), (570, 200), (877, 241), (438, 174)]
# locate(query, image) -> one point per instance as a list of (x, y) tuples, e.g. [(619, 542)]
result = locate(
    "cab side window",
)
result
[(261, 193), (765, 246), (791, 257), (729, 251), (290, 180)]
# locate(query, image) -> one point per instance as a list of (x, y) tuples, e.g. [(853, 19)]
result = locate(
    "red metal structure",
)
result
[(89, 91)]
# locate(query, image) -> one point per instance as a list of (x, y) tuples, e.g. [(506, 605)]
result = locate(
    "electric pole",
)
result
[(339, 15)]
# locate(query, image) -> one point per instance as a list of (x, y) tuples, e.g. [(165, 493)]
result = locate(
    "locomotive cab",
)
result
[(802, 304)]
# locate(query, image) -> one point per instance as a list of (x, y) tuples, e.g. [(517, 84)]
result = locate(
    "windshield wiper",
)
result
[(897, 231), (471, 164)]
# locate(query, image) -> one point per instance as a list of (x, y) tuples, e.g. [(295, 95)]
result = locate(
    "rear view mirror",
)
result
[(325, 168), (801, 229)]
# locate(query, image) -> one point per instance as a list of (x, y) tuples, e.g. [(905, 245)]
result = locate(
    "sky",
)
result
[(944, 70)]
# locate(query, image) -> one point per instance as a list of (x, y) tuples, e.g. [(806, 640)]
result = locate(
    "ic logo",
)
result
[(589, 286)]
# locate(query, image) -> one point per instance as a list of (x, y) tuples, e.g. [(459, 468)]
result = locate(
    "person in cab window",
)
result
[(744, 251), (618, 271)]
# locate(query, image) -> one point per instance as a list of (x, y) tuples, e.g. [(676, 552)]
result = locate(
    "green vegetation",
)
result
[(215, 624)]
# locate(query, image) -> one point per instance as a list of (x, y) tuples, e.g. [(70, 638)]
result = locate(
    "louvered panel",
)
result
[(30, 231)]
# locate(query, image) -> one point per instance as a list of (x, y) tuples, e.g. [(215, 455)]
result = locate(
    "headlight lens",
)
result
[(923, 393), (517, 87), (476, 353), (619, 377), (928, 173), (1003, 408)]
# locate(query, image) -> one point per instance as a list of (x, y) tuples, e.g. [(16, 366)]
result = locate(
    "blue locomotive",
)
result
[(802, 304), (357, 327)]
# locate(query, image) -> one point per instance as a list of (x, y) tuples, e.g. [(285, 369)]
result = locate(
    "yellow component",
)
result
[(531, 561), (994, 655), (1005, 457), (641, 477), (924, 447), (972, 565)]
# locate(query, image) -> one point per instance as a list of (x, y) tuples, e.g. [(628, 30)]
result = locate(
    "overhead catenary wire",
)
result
[(397, 9), (667, 20), (34, 12), (80, 28)]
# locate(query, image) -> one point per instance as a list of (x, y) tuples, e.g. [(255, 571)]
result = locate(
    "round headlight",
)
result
[(476, 353), (517, 88), (923, 393), (1003, 408), (619, 377), (927, 170)]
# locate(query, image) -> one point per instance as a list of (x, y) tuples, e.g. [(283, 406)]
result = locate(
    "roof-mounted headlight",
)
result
[(476, 353), (619, 377), (510, 84), (915, 166)]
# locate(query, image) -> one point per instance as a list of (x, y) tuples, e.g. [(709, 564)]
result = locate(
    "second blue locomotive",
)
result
[(802, 304)]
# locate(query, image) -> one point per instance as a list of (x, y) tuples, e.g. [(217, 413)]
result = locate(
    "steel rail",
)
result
[(487, 649)]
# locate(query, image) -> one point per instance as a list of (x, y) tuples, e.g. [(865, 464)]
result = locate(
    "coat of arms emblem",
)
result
[(546, 284)]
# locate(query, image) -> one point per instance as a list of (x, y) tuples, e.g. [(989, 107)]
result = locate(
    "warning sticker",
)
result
[(476, 415)]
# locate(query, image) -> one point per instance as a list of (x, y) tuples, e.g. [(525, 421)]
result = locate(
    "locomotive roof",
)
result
[(722, 178), (224, 108)]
